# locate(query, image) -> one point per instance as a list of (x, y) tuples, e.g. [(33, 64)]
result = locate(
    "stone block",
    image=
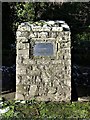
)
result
[(22, 34), (22, 89), (42, 98), (36, 28), (21, 71), (53, 35), (18, 33), (52, 90), (23, 53), (29, 62), (43, 35), (57, 29), (46, 29), (50, 97), (19, 96), (33, 90), (22, 39), (22, 46)]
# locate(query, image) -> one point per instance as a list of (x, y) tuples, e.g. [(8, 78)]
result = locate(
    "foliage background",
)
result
[(75, 14)]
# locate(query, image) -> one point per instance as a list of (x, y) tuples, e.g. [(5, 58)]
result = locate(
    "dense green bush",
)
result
[(50, 110)]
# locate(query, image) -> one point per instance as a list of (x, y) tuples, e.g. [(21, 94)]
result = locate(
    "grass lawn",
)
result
[(33, 110)]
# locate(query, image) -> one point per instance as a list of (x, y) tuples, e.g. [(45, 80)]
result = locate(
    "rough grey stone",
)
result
[(19, 96), (21, 71), (52, 90), (47, 78), (24, 53), (33, 89)]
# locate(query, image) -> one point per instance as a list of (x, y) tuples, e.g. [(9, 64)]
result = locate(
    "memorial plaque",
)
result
[(43, 49)]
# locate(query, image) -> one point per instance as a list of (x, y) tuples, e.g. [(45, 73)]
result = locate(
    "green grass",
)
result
[(46, 110)]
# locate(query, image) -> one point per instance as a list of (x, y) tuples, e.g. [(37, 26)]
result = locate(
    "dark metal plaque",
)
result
[(43, 49)]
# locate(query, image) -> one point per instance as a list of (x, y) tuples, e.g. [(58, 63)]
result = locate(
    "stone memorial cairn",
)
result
[(43, 62)]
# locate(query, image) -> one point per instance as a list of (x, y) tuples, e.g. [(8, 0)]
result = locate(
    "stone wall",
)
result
[(45, 78)]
